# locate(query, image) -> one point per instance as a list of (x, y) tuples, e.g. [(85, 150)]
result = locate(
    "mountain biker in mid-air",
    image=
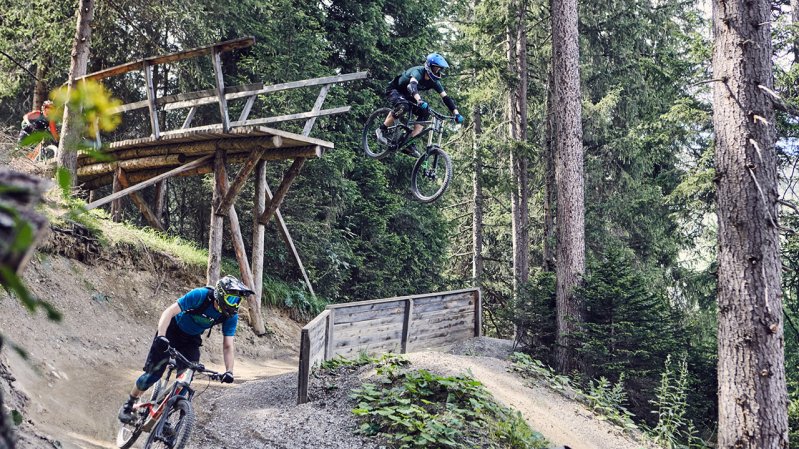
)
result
[(404, 90), (181, 326)]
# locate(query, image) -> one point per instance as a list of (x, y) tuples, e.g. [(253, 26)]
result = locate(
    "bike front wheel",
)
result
[(431, 175), (174, 428), (369, 143), (129, 433)]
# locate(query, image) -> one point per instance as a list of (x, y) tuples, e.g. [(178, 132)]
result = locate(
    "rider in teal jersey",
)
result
[(404, 91), (181, 326)]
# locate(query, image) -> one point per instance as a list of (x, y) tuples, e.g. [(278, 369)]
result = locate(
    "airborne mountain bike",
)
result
[(432, 172), (168, 415)]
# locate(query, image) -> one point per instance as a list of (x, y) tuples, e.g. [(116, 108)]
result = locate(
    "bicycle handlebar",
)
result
[(432, 111), (196, 367)]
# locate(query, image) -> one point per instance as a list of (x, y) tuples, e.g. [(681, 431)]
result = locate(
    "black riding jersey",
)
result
[(400, 82)]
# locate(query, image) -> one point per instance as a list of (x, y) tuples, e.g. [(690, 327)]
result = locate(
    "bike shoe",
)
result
[(411, 150), (380, 137), (126, 413)]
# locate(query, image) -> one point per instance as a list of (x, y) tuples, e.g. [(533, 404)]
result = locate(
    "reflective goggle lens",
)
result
[(232, 300)]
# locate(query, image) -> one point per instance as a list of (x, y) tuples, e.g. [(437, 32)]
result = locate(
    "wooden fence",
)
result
[(431, 321)]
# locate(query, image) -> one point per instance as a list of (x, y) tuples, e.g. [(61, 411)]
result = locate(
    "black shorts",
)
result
[(401, 101), (188, 345)]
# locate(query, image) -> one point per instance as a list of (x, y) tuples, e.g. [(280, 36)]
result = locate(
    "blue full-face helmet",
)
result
[(434, 65)]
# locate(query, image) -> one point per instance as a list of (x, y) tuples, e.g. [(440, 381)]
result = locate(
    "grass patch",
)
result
[(420, 409)]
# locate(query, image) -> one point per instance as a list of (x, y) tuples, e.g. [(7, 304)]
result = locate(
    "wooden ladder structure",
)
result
[(195, 150)]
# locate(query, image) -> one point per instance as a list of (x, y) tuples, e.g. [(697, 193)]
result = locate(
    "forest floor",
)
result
[(78, 371)]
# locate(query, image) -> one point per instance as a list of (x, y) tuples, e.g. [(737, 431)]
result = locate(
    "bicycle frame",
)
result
[(433, 126), (156, 406)]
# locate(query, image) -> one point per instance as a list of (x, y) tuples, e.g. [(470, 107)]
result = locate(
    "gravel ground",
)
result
[(263, 414)]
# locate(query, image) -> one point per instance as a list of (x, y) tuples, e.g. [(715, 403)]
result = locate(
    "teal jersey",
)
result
[(400, 83), (195, 324)]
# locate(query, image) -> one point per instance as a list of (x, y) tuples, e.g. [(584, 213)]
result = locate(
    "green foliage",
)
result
[(608, 400), (535, 369), (674, 429), (533, 314), (384, 362), (419, 409), (293, 297)]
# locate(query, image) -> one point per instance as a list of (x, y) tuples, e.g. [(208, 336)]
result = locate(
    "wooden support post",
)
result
[(220, 88), (259, 204), (140, 203), (406, 325), (256, 319), (304, 372), (119, 194), (282, 189), (284, 232), (241, 178), (148, 77), (215, 229), (329, 334), (161, 188), (247, 108), (306, 130), (116, 204), (189, 118)]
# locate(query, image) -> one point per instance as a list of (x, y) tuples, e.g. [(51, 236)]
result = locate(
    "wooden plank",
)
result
[(130, 106), (368, 332), (216, 59), (237, 184), (258, 230), (141, 185), (345, 316), (116, 204), (377, 321), (304, 371), (394, 336), (189, 118), (478, 314), (371, 349), (142, 163), (217, 222), (320, 99), (446, 340), (400, 298), (451, 324), (449, 302), (140, 203), (422, 303), (318, 320), (330, 335), (290, 117), (443, 312), (406, 324), (245, 112), (207, 96), (308, 83), (452, 332), (284, 232), (151, 96), (171, 57), (282, 190)]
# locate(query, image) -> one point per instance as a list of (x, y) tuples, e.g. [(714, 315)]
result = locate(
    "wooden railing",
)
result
[(431, 321)]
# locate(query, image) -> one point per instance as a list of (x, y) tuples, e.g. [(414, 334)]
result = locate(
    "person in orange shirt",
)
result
[(38, 121)]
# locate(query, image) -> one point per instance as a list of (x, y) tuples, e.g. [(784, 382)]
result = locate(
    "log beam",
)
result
[(238, 183), (258, 231), (282, 190), (128, 165), (149, 182), (116, 203), (217, 222), (140, 203)]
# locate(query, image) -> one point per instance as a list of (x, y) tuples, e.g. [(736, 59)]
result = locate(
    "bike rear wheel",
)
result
[(174, 428), (431, 175), (129, 433), (369, 143)]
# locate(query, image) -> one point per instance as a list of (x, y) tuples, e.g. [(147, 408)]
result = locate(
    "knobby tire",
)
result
[(183, 427), (444, 167), (369, 144)]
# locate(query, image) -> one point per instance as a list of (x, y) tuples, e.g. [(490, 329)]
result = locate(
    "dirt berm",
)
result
[(78, 371)]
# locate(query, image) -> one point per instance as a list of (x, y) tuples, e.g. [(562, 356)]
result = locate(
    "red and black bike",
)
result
[(168, 415)]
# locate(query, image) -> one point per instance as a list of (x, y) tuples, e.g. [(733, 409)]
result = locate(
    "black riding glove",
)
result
[(227, 378), (161, 344)]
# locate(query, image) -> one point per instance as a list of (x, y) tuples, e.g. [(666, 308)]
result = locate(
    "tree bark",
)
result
[(477, 197), (72, 128), (550, 186), (795, 21), (40, 88), (517, 115), (217, 222), (752, 391), (569, 176)]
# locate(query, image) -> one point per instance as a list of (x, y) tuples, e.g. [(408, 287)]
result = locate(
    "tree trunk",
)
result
[(795, 21), (550, 187), (517, 115), (752, 391), (477, 196), (217, 222), (569, 176), (39, 88), (72, 128)]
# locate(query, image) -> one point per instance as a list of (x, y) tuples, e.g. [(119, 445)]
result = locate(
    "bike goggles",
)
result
[(232, 300)]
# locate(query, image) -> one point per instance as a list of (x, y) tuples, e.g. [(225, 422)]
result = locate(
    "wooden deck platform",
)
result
[(147, 157)]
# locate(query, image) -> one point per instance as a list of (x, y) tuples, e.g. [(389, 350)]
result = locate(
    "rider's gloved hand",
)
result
[(422, 105), (458, 119), (227, 378), (161, 343)]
